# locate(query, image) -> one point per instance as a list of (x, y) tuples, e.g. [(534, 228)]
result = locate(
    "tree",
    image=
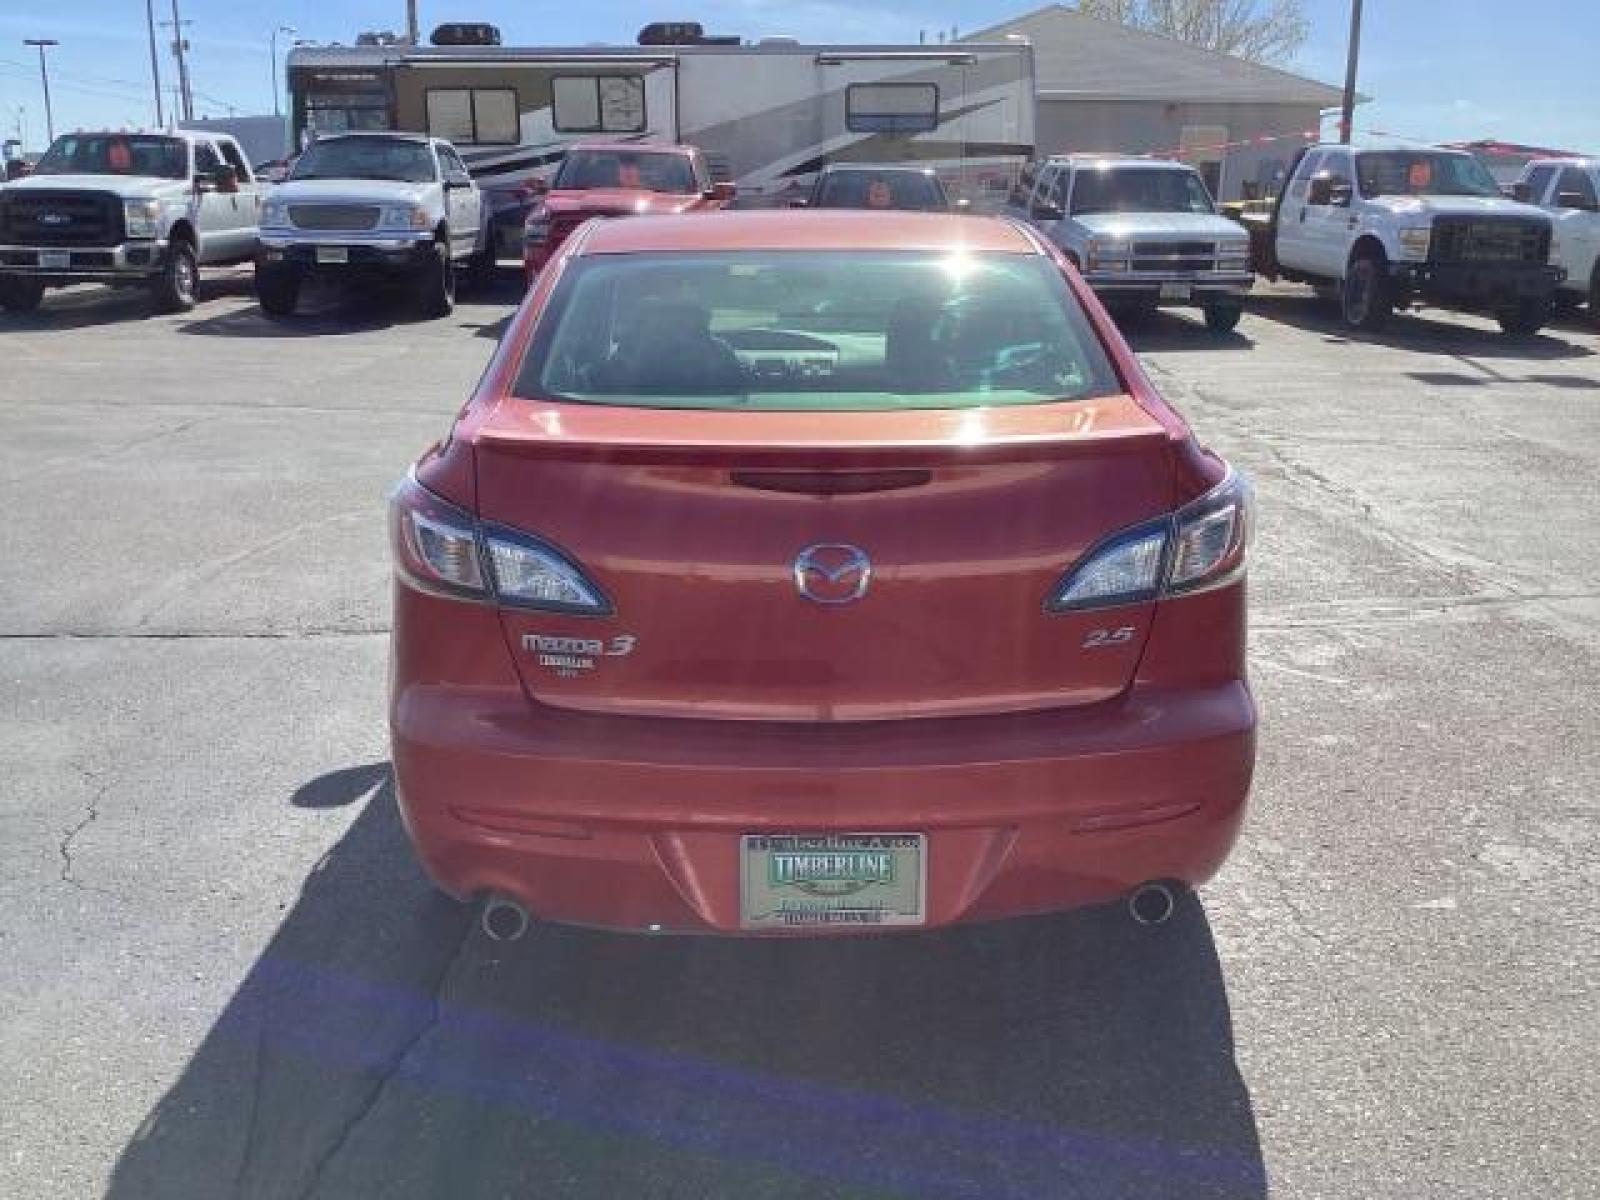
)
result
[(1260, 30)]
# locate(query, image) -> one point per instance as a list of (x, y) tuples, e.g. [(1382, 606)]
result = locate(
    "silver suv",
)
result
[(1144, 232)]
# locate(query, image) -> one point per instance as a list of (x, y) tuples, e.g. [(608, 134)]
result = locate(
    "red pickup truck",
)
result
[(606, 179)]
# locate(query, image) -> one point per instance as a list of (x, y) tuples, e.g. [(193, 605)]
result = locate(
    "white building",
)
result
[(1106, 87)]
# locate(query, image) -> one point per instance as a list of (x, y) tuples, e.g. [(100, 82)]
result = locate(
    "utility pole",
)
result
[(44, 78), (411, 23), (155, 60), (277, 107), (179, 46), (1348, 113)]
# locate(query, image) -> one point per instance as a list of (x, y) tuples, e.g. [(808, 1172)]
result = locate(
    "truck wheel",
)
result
[(1526, 317), (1223, 318), (174, 287), (436, 285), (277, 288), (19, 294), (1366, 300)]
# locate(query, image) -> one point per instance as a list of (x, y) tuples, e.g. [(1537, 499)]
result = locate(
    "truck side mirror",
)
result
[(723, 192), (1523, 192), (1321, 190), (1575, 200), (1340, 193), (225, 179), (1046, 210)]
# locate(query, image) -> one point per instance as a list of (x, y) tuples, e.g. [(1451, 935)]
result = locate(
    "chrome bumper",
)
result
[(134, 259), (1205, 284)]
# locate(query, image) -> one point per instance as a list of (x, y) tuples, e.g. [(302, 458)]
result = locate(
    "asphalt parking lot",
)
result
[(224, 976)]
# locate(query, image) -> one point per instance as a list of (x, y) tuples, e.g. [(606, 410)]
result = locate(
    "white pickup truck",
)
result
[(1392, 228), (126, 208), (1569, 190), (397, 206), (1143, 232)]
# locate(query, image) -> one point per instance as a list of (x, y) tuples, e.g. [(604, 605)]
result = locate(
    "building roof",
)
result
[(1083, 57)]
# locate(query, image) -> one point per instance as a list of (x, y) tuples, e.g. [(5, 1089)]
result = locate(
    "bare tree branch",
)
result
[(1259, 30)]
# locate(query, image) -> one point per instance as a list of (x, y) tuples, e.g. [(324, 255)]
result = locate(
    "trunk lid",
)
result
[(692, 523)]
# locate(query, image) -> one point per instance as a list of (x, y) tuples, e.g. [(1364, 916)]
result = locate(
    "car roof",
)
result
[(1116, 160), (632, 147), (1575, 161), (391, 135), (820, 229), (876, 168)]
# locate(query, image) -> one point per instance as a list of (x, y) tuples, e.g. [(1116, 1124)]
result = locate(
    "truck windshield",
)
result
[(116, 154), (1139, 189), (626, 169), (1421, 173), (843, 331), (367, 158)]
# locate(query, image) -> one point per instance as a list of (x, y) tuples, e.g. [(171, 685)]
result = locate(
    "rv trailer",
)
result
[(768, 116)]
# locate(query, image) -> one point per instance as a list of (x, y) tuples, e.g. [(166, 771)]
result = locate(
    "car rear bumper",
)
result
[(1144, 288), (130, 260), (1477, 284), (636, 823)]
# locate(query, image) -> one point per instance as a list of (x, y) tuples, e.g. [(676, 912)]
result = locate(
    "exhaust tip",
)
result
[(504, 919), (1152, 904)]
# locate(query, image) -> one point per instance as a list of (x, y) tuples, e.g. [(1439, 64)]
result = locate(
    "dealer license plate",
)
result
[(832, 880), (333, 254), (55, 260), (1176, 291)]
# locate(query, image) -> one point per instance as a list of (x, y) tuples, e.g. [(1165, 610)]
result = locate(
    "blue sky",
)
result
[(1485, 70)]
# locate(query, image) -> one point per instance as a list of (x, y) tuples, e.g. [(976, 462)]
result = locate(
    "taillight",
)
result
[(1200, 546), (435, 544), (533, 574), (443, 549)]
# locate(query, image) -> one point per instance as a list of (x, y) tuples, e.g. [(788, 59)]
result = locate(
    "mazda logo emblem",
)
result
[(832, 573)]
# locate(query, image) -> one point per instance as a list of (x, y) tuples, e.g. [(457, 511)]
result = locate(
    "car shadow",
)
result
[(328, 307), (1168, 332), (1422, 332), (93, 305), (383, 1046)]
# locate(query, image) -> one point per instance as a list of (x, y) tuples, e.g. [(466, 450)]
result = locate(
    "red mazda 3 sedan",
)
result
[(798, 572)]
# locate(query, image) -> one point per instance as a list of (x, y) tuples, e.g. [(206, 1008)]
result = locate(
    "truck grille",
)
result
[(1479, 240), (1174, 256), (38, 218), (340, 218)]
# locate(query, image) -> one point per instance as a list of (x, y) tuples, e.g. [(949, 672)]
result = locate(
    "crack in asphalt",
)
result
[(390, 1071), (90, 816), (1399, 612)]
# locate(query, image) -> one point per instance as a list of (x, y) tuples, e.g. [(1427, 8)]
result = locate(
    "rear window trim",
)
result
[(537, 341)]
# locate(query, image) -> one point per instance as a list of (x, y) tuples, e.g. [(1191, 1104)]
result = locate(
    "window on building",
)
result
[(474, 116), (891, 107), (598, 104)]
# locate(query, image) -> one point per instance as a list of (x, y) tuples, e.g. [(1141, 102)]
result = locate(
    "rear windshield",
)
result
[(583, 169), (1139, 189), (115, 154), (879, 189), (861, 331)]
